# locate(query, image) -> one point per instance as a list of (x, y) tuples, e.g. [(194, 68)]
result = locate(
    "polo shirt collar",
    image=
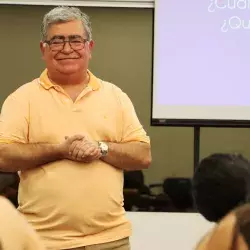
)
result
[(47, 84)]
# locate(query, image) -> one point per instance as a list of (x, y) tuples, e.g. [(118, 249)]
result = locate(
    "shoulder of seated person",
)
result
[(5, 203)]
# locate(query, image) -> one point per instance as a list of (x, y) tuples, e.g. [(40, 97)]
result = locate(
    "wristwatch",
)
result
[(103, 147)]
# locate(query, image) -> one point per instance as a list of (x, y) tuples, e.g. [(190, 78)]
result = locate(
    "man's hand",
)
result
[(83, 150), (64, 147)]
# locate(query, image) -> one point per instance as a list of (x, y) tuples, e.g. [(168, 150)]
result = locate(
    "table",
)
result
[(167, 231)]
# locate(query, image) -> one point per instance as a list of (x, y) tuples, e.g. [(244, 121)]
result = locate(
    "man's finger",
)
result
[(96, 154), (74, 153), (74, 150), (75, 138), (89, 151), (80, 146), (79, 155), (93, 154), (72, 147), (89, 154)]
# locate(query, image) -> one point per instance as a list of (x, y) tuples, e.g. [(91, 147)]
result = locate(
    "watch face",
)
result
[(104, 148)]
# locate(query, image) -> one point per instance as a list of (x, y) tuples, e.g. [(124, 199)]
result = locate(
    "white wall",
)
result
[(90, 3), (167, 231)]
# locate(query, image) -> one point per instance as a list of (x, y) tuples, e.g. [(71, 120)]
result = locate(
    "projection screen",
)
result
[(201, 63)]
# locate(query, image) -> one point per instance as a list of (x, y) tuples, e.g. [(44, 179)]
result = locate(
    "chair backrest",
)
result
[(7, 180), (133, 179), (179, 191)]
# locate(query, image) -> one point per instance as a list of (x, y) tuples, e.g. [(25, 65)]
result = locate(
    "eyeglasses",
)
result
[(57, 43)]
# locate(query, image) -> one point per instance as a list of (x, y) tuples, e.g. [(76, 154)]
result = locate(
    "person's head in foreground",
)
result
[(66, 43), (220, 183), (232, 233), (15, 232)]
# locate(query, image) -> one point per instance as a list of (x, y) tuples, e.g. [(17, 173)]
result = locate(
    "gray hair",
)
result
[(63, 14)]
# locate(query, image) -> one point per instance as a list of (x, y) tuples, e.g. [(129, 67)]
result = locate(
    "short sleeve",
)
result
[(14, 119), (132, 128)]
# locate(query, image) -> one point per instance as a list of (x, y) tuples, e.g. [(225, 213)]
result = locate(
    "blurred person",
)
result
[(15, 232), (70, 135), (231, 233), (220, 183)]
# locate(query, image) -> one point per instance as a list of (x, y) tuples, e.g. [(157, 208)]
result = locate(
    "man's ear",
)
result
[(42, 48), (91, 47), (91, 44)]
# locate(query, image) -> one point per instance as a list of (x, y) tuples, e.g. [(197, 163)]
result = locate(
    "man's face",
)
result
[(70, 57)]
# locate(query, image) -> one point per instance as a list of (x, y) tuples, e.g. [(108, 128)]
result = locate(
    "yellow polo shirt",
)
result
[(15, 232), (72, 204)]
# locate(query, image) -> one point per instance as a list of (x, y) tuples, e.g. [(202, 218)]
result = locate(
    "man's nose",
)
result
[(67, 47)]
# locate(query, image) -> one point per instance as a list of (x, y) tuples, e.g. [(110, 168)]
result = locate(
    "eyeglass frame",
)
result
[(65, 40)]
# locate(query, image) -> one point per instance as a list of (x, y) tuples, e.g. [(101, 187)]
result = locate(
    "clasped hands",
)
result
[(80, 148)]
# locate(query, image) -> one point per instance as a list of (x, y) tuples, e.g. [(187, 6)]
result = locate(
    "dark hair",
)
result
[(220, 184)]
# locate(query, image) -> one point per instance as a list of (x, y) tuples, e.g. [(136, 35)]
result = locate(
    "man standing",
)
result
[(70, 135)]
